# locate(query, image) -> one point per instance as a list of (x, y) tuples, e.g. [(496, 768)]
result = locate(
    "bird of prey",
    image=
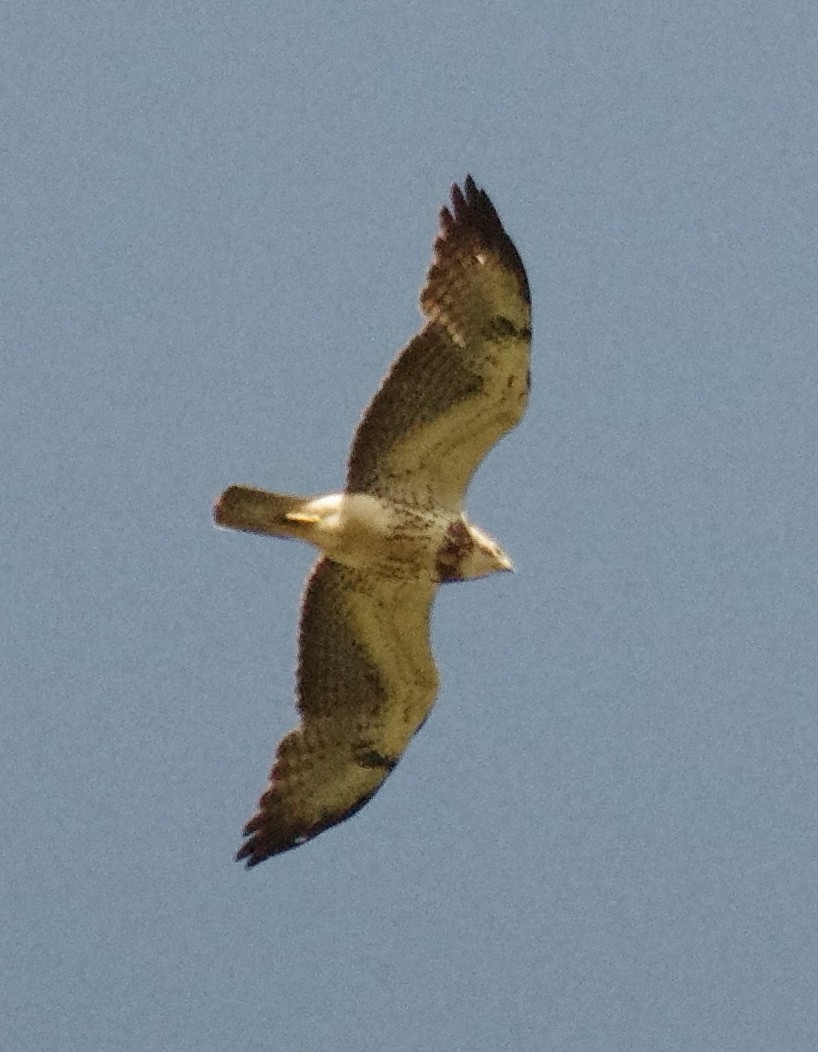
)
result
[(366, 678)]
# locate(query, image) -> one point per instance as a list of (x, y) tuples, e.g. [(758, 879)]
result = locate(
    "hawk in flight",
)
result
[(366, 678)]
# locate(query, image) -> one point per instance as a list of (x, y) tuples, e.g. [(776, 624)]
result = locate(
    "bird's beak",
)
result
[(506, 563)]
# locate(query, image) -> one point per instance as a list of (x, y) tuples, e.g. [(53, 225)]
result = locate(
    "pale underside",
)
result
[(366, 677)]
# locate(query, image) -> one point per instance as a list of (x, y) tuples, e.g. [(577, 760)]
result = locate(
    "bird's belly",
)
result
[(396, 540)]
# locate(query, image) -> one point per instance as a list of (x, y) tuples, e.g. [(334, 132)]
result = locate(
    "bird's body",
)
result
[(366, 678), (368, 533)]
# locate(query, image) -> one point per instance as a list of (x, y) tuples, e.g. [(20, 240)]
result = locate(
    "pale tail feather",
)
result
[(259, 511)]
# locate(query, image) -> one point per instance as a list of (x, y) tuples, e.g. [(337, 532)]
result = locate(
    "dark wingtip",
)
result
[(472, 209), (266, 838), (255, 850), (247, 857)]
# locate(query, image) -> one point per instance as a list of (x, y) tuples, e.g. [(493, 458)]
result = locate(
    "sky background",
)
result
[(216, 220)]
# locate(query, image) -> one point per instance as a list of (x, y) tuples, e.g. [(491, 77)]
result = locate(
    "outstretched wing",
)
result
[(462, 382), (366, 682)]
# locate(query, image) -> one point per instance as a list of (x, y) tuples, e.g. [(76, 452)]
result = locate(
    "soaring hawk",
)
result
[(366, 678)]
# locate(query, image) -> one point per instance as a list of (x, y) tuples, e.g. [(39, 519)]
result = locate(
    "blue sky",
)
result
[(217, 219)]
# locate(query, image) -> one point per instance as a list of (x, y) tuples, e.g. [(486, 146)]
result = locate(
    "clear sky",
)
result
[(216, 219)]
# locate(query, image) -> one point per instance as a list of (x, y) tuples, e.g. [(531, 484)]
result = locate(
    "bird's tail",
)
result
[(259, 511)]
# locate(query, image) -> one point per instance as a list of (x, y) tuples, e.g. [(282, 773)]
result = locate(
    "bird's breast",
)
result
[(385, 537)]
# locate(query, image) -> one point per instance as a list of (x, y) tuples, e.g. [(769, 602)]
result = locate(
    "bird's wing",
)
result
[(366, 682), (463, 380)]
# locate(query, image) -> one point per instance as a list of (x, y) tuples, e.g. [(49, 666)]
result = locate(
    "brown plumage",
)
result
[(366, 677)]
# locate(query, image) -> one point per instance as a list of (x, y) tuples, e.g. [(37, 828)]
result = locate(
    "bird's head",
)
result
[(484, 555)]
